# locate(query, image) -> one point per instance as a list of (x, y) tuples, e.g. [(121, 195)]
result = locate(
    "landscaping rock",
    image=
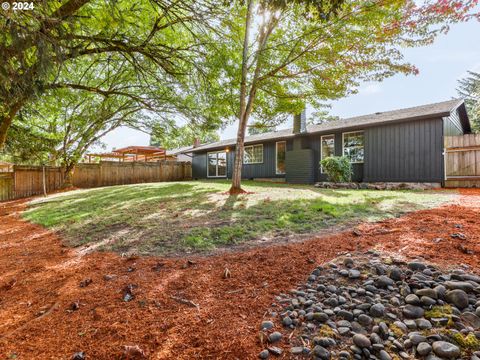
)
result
[(424, 348), (457, 297), (266, 325), (360, 306), (377, 310), (413, 312), (275, 337), (361, 341), (297, 350), (384, 282), (395, 273), (264, 354), (446, 350), (321, 352), (416, 266), (354, 274)]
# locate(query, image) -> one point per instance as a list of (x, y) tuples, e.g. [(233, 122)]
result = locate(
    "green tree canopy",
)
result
[(278, 56), (152, 36), (469, 89), (169, 135)]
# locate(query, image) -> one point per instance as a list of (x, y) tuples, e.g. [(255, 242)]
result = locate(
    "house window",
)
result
[(253, 154), (327, 147), (217, 164), (281, 148), (353, 146)]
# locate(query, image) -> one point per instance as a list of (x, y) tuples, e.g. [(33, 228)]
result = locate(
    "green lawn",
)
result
[(164, 218)]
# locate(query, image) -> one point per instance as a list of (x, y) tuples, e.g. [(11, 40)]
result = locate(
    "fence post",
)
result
[(43, 180)]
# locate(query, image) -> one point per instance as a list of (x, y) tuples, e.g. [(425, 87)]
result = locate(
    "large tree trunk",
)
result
[(6, 121), (68, 175), (239, 151), (243, 117)]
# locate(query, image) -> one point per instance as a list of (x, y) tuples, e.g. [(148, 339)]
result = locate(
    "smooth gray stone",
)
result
[(424, 348), (457, 297), (446, 350), (361, 341)]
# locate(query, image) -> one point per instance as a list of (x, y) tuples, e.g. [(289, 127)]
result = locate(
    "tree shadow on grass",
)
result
[(180, 217)]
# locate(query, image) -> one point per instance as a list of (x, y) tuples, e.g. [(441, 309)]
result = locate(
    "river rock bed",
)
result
[(373, 306)]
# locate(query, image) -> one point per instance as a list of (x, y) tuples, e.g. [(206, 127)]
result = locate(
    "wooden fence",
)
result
[(462, 161), (109, 173), (6, 186), (26, 181)]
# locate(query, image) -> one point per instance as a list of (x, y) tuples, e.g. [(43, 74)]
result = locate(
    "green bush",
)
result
[(337, 168)]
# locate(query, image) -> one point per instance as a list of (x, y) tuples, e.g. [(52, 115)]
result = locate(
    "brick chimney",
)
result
[(300, 122), (196, 142)]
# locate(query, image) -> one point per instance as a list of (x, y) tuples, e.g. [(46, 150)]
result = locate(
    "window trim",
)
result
[(321, 148), (252, 146), (343, 144), (276, 157), (216, 167)]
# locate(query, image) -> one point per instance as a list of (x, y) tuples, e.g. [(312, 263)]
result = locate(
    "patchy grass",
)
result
[(163, 218)]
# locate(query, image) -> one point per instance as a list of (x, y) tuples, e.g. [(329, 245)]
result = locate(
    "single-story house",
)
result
[(183, 154), (404, 145)]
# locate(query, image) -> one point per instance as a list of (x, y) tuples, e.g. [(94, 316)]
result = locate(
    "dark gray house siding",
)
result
[(263, 170), (199, 165), (405, 152), (299, 165), (396, 149), (267, 169), (452, 125), (315, 142), (401, 152)]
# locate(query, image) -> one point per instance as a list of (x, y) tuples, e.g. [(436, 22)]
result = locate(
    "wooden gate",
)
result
[(462, 161)]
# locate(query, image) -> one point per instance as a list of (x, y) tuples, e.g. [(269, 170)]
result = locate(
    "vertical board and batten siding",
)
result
[(315, 144), (266, 169), (409, 151), (452, 125), (404, 152), (199, 165)]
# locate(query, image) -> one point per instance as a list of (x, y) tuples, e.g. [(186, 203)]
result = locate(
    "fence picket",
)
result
[(462, 160)]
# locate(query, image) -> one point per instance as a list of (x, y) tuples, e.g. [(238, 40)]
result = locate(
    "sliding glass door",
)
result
[(217, 164)]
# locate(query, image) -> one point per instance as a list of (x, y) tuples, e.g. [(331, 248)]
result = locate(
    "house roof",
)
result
[(180, 150), (440, 109), (141, 150)]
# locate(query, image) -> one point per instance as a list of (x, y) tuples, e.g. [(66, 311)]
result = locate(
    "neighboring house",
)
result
[(394, 146), (183, 154), (6, 167)]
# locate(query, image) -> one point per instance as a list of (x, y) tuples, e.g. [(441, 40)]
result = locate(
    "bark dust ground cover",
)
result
[(56, 301)]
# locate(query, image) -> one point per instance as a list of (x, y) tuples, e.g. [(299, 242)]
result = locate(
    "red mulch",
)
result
[(40, 279)]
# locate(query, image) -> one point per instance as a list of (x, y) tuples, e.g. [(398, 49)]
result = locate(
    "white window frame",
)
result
[(216, 167), (343, 144), (244, 151), (321, 149), (276, 157)]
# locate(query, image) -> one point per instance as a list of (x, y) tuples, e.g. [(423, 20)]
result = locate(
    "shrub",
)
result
[(337, 168)]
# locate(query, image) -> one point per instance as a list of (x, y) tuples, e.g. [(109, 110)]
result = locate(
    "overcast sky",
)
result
[(440, 64)]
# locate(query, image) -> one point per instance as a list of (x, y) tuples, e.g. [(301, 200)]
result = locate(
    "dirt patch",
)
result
[(178, 308)]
